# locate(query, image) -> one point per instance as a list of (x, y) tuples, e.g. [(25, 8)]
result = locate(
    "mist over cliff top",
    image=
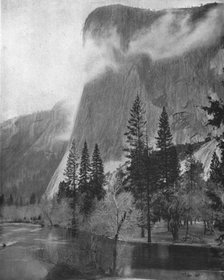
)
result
[(133, 31), (129, 20), (115, 35), (173, 57)]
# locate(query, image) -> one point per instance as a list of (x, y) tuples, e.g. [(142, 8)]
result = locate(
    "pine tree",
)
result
[(85, 168), (168, 159), (71, 171), (63, 191), (33, 198), (84, 181), (135, 153), (215, 169), (168, 166), (97, 176), (136, 128), (135, 149)]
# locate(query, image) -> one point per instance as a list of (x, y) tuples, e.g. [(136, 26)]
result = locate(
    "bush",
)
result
[(112, 211), (57, 213), (21, 213)]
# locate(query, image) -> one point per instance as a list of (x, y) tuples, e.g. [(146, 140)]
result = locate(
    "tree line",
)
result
[(160, 188), (163, 186), (84, 180), (10, 200), (152, 173)]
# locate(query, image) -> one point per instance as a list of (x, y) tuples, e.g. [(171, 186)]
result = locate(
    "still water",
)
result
[(33, 252)]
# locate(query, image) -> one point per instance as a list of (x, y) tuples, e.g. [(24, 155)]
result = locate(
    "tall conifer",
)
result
[(135, 148), (71, 170), (168, 160), (85, 168), (135, 153), (84, 181), (97, 176), (168, 166), (215, 168)]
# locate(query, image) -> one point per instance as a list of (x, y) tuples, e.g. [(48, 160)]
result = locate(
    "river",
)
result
[(33, 252)]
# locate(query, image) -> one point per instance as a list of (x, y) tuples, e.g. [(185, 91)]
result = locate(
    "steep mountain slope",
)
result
[(31, 149), (179, 82), (171, 58), (179, 73)]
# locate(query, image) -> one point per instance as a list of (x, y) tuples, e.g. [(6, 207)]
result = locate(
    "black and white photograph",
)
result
[(112, 140)]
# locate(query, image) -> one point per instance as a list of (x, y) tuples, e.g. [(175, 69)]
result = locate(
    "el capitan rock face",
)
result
[(181, 83), (33, 156)]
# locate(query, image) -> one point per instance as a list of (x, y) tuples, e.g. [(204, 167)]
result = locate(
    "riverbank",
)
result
[(25, 214), (34, 214), (161, 274), (160, 235), (33, 222), (196, 236), (58, 254)]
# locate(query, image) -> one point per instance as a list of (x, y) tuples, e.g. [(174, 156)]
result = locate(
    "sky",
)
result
[(42, 59)]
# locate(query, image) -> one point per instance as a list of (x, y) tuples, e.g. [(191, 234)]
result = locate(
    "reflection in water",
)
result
[(176, 257), (44, 253), (17, 264), (63, 271)]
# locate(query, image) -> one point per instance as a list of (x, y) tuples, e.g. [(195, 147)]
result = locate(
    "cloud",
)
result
[(43, 59), (173, 35), (92, 60), (170, 36), (100, 55)]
